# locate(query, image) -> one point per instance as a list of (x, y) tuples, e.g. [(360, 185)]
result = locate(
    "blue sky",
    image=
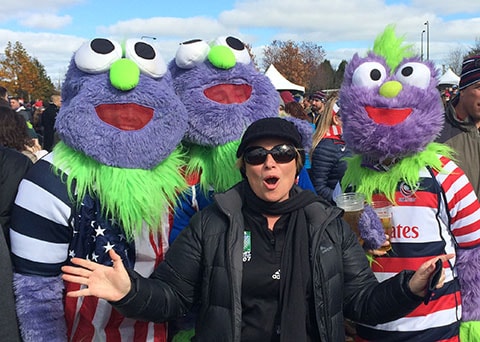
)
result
[(51, 30)]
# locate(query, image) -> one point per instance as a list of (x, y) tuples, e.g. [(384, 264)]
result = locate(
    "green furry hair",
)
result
[(469, 331), (184, 336), (369, 182), (129, 196), (216, 165), (392, 48)]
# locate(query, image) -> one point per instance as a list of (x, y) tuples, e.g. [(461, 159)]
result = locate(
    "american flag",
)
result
[(94, 235), (93, 319)]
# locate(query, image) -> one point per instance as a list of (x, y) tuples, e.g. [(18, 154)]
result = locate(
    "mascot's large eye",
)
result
[(146, 57), (415, 74), (97, 55), (191, 53), (238, 48), (369, 75)]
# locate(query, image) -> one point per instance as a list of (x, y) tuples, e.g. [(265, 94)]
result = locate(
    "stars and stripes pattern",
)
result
[(94, 236)]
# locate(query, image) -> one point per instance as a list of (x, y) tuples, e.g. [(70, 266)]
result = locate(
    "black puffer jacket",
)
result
[(328, 166), (205, 264)]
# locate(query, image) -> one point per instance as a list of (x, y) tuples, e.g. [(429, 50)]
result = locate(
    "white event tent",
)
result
[(280, 82), (449, 78)]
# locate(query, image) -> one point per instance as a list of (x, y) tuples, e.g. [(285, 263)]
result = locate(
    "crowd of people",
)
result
[(21, 145), (300, 234)]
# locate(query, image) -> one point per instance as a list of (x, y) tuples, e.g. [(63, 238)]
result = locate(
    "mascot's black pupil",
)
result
[(375, 74), (407, 71), (234, 43), (102, 46), (144, 50)]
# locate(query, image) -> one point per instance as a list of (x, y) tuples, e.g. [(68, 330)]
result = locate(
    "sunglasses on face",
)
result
[(282, 154)]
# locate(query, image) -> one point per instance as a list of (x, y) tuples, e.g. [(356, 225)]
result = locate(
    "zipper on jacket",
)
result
[(230, 277)]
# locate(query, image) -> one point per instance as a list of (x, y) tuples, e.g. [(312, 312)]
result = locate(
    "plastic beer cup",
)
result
[(352, 203)]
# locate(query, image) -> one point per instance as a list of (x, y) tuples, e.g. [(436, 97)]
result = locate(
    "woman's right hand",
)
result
[(109, 283)]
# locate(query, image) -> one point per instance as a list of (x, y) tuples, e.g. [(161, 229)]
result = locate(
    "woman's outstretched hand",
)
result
[(420, 280), (109, 283)]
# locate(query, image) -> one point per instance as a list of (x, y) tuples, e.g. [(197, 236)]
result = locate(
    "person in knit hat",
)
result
[(462, 121), (318, 104)]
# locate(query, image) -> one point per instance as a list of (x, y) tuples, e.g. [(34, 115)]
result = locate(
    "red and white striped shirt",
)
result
[(439, 216)]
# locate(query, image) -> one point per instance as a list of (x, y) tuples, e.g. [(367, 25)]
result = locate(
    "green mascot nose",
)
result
[(390, 89), (124, 74), (221, 57)]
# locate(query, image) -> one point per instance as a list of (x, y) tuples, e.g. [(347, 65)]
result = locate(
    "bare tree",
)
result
[(299, 62), (454, 60), (475, 50), (325, 77)]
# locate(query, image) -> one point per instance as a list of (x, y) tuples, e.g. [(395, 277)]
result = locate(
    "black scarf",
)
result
[(295, 264)]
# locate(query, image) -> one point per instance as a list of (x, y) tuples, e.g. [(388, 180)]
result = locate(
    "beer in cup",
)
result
[(384, 212), (352, 203)]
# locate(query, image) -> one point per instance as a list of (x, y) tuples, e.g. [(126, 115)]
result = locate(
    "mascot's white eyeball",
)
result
[(414, 74), (238, 48), (147, 58), (369, 75), (96, 55), (191, 53)]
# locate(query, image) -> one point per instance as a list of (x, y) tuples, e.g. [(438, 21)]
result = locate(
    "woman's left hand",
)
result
[(109, 283), (419, 282)]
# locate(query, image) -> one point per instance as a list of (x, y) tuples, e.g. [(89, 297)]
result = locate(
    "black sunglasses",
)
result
[(256, 155)]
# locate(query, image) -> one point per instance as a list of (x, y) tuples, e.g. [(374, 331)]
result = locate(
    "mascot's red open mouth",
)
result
[(388, 116), (229, 93), (125, 116)]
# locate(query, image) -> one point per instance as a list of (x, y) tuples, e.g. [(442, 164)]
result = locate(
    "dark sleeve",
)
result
[(13, 166), (48, 117), (8, 320), (174, 285), (366, 300)]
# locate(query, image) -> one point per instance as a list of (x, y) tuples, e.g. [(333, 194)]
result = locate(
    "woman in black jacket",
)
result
[(266, 261)]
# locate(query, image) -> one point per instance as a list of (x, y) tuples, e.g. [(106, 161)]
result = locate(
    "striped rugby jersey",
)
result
[(47, 231), (439, 216)]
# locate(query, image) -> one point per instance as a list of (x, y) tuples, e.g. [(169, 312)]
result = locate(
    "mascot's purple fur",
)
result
[(392, 113), (109, 183)]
